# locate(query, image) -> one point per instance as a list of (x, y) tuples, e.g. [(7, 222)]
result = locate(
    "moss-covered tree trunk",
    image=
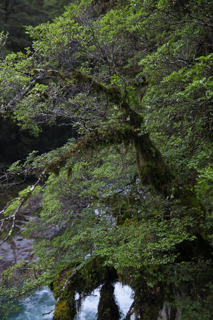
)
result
[(107, 308), (130, 129)]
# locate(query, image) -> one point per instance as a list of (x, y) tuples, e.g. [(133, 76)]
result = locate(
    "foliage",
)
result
[(15, 15), (132, 198)]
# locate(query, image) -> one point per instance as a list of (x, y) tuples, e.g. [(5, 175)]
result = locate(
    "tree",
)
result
[(17, 14), (128, 198)]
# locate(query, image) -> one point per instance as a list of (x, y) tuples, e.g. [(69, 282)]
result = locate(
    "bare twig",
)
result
[(43, 314), (22, 200)]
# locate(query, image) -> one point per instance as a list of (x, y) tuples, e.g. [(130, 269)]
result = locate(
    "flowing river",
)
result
[(42, 302)]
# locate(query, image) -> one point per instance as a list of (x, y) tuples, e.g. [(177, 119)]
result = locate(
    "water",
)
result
[(42, 302), (32, 308), (90, 305)]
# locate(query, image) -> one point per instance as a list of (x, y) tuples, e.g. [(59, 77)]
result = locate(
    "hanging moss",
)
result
[(147, 301), (103, 137), (152, 169), (107, 308), (83, 282)]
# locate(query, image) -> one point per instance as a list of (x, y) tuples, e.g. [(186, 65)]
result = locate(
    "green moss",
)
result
[(65, 310), (98, 138), (113, 93), (107, 308), (152, 169), (84, 281)]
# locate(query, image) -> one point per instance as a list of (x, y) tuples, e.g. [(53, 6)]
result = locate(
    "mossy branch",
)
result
[(151, 166), (113, 93)]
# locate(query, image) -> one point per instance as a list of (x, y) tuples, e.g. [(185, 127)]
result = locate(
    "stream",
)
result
[(42, 302)]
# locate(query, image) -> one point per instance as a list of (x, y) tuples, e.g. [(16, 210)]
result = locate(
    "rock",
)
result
[(7, 255), (17, 250), (22, 248)]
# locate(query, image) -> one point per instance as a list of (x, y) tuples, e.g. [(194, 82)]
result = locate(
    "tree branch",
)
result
[(151, 166), (22, 200), (62, 290)]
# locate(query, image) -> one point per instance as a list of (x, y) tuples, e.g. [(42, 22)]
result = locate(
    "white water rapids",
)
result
[(42, 301)]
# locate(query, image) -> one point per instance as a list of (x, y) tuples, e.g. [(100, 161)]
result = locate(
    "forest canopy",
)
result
[(131, 199)]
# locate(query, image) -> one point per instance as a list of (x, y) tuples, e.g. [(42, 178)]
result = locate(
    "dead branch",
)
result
[(22, 200)]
